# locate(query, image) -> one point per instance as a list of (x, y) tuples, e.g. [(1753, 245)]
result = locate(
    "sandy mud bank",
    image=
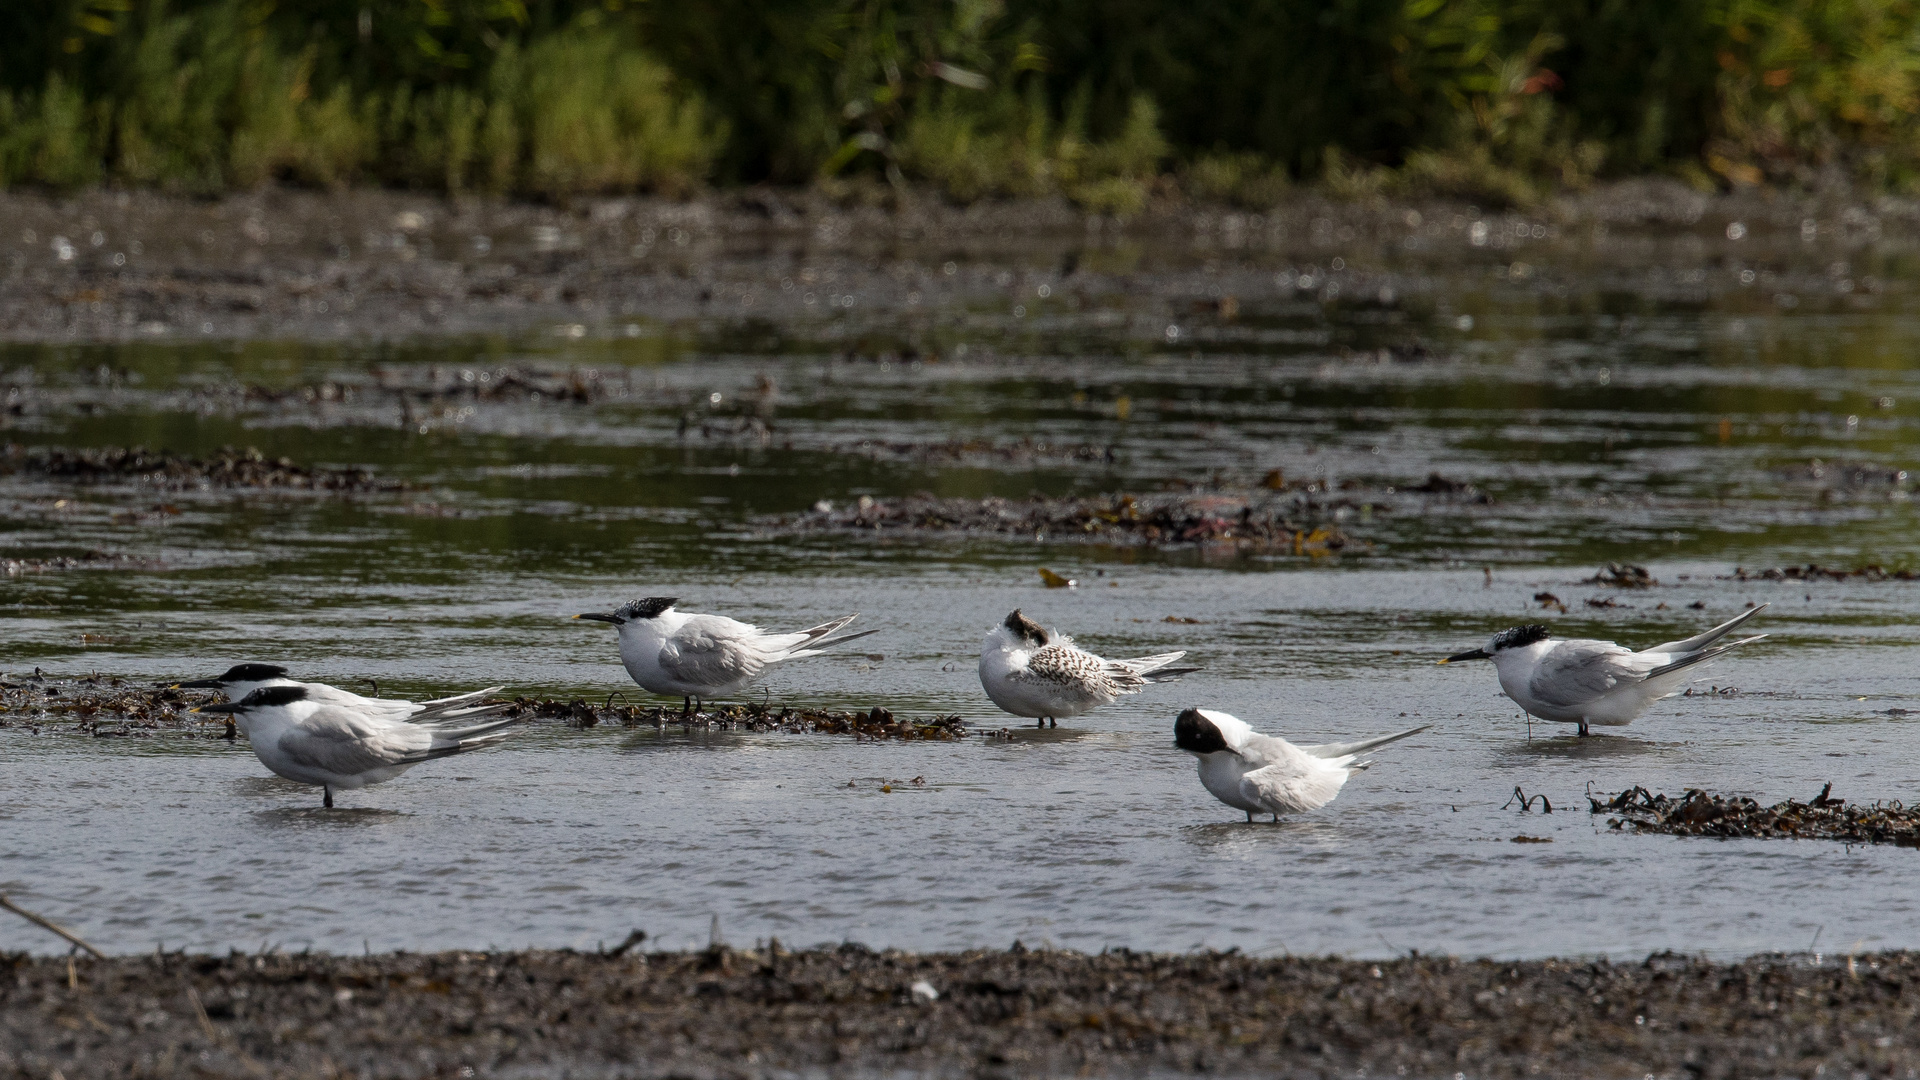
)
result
[(850, 1011)]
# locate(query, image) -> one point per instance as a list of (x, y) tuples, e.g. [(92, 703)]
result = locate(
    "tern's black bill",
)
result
[(224, 707), (198, 684), (600, 617), (1470, 654)]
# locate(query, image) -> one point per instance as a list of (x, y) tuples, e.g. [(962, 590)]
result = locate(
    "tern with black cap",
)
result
[(1041, 674), (1265, 774), (697, 657), (1582, 681), (241, 680), (311, 740)]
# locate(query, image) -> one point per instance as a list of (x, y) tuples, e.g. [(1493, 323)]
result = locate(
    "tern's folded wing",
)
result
[(338, 741), (1290, 787), (1075, 668), (710, 651), (1577, 672), (390, 708)]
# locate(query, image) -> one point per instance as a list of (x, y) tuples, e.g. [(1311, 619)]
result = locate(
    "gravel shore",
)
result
[(850, 1011)]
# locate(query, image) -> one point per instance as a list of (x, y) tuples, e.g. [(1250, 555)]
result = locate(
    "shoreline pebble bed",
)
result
[(851, 1011)]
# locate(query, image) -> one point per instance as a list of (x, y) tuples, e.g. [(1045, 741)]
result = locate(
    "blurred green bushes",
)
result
[(1103, 101)]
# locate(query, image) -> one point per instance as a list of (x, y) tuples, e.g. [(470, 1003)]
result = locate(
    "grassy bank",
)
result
[(1500, 101), (850, 1010)]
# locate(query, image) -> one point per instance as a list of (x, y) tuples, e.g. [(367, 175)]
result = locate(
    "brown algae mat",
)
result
[(226, 468), (1245, 520), (1698, 813), (850, 1011), (105, 707), (876, 723)]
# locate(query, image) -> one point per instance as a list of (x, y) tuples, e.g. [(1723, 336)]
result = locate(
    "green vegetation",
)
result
[(1098, 100)]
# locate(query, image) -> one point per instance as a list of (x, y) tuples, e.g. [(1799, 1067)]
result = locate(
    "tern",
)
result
[(312, 740), (696, 657), (242, 679), (1265, 774), (1579, 681), (1029, 671)]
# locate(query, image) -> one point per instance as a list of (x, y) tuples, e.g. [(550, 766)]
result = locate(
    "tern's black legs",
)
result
[(1583, 728), (686, 706), (328, 788), (1249, 817), (1046, 721)]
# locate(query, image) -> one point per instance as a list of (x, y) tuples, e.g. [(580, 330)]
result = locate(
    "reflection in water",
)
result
[(1592, 414), (341, 817)]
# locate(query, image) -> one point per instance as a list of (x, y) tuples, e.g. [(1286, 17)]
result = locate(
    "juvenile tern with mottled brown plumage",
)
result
[(1034, 672)]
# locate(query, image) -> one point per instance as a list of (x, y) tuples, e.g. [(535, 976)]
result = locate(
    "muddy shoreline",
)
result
[(118, 266), (851, 1011)]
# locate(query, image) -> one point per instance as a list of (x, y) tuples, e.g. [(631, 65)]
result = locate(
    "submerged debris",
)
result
[(227, 468), (92, 560), (1436, 484), (1698, 813), (877, 723), (1845, 474), (1623, 576), (1261, 521), (1816, 572), (955, 451)]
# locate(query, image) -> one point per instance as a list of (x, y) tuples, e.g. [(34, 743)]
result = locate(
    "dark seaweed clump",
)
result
[(877, 723), (102, 707), (226, 468), (1156, 520), (1698, 813), (1816, 572)]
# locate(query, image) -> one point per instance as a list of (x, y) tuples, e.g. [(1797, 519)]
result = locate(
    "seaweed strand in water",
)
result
[(1699, 813)]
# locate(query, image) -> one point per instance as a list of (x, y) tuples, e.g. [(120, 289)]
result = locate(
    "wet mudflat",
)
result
[(855, 1012), (1365, 441)]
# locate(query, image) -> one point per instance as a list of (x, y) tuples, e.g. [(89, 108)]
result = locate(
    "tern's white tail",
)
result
[(1351, 750), (812, 641), (1701, 641)]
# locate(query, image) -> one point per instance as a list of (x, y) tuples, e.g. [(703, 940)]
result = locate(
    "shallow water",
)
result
[(1689, 423)]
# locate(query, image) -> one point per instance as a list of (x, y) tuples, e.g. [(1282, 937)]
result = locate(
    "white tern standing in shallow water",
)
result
[(1263, 774), (696, 657), (242, 679), (1029, 671), (314, 741), (1579, 681)]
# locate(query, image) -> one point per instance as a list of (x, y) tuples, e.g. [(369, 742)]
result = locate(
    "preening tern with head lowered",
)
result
[(696, 657), (313, 740), (1042, 674), (242, 679), (1579, 681), (1265, 774)]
